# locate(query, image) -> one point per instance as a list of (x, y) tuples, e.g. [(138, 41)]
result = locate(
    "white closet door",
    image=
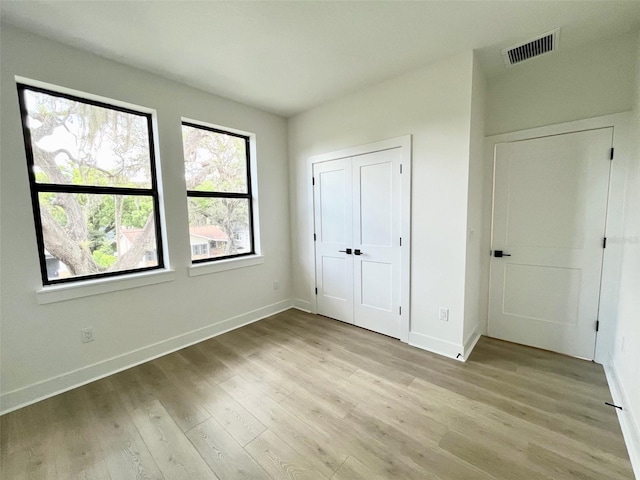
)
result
[(333, 227), (357, 214), (376, 241), (550, 201)]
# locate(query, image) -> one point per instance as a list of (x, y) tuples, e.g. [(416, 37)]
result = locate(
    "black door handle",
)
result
[(357, 252), (347, 251), (500, 253)]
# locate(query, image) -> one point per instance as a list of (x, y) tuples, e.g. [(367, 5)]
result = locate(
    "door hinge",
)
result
[(604, 242), (313, 180), (611, 153), (597, 325), (316, 290), (400, 310), (400, 241), (400, 168), (314, 237)]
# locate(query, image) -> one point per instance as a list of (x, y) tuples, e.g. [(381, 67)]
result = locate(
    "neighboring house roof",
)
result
[(210, 232), (132, 234)]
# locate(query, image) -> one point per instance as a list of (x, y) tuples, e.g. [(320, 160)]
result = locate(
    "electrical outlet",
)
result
[(87, 335), (276, 285), (444, 314)]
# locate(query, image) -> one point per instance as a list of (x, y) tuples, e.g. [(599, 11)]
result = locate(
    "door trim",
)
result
[(622, 143), (404, 143)]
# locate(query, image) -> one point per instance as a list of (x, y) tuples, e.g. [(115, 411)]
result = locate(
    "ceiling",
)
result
[(286, 57)]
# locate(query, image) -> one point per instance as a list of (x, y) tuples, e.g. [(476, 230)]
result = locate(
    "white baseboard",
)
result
[(627, 417), (436, 345), (35, 392), (470, 344), (302, 305)]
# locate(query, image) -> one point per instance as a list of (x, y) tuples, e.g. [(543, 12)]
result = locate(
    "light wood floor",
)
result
[(298, 396)]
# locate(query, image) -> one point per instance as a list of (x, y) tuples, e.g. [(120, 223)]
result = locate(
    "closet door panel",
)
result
[(334, 233), (376, 233)]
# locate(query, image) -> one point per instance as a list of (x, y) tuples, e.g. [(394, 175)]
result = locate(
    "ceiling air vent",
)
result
[(540, 45)]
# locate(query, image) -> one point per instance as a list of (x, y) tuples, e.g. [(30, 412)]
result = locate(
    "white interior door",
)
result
[(550, 201), (376, 237), (334, 226), (357, 215)]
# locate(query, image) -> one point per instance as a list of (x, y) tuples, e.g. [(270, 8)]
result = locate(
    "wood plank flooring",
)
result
[(299, 396)]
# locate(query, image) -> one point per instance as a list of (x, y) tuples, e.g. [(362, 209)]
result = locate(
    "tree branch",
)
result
[(57, 243), (135, 254)]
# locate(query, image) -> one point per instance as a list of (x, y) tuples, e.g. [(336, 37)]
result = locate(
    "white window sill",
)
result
[(224, 265), (69, 291)]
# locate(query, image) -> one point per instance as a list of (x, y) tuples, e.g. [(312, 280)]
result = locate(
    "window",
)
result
[(93, 186), (218, 176), (199, 250)]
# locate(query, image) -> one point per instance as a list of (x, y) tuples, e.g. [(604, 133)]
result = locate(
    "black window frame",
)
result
[(37, 188), (212, 194)]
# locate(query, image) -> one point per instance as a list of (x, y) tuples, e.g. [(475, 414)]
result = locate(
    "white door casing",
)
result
[(550, 203), (375, 214)]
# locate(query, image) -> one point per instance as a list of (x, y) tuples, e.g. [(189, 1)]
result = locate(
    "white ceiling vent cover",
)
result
[(545, 43)]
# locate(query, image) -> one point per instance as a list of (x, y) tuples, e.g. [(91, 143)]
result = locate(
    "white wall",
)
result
[(626, 351), (478, 230), (433, 104), (563, 86), (41, 350)]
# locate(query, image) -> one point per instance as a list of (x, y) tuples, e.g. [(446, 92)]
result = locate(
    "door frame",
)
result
[(404, 144), (614, 227)]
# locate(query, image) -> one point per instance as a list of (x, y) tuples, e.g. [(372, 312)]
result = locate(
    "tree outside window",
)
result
[(218, 177), (93, 185)]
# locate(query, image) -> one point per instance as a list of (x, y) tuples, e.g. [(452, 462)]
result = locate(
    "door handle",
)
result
[(347, 251), (500, 253), (357, 252)]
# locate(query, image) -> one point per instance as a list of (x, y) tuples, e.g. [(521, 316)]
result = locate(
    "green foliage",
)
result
[(104, 257), (42, 177), (101, 213), (136, 211), (87, 175)]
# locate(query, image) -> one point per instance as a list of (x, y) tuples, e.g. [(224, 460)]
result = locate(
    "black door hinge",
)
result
[(400, 168), (604, 242), (314, 237), (316, 290), (313, 180), (611, 153), (400, 241), (400, 310), (597, 325)]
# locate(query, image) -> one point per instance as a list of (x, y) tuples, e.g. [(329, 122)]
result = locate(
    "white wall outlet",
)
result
[(276, 285), (87, 335), (444, 314)]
